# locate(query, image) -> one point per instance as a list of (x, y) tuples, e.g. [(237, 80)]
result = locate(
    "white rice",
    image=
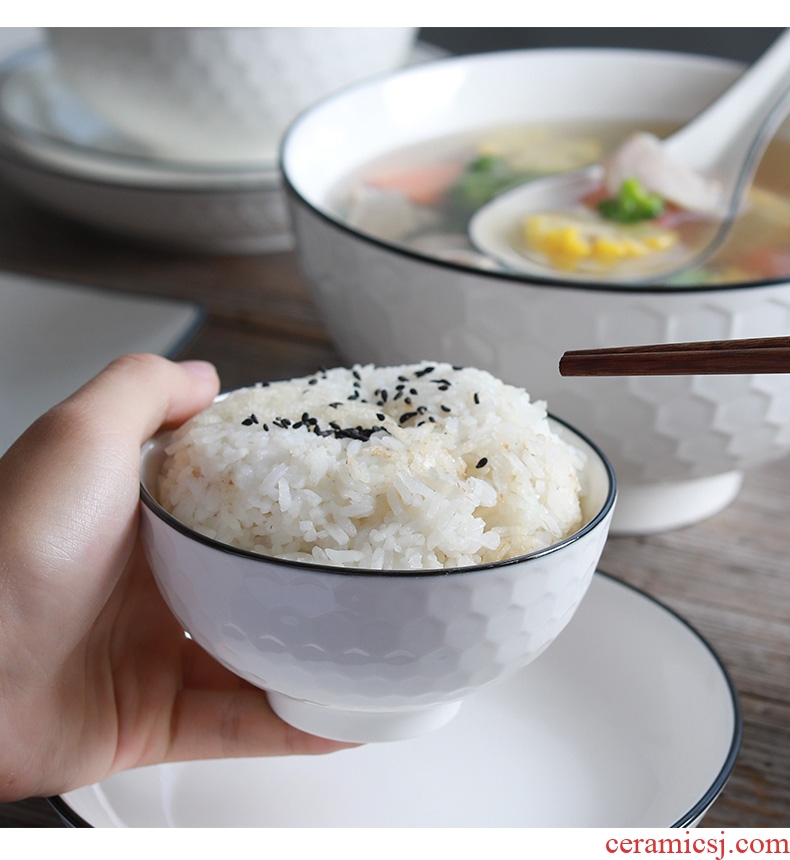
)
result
[(382, 468)]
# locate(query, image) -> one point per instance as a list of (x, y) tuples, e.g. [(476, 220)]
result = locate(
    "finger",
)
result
[(222, 724)]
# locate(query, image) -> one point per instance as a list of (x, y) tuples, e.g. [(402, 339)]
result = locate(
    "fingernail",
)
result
[(200, 368)]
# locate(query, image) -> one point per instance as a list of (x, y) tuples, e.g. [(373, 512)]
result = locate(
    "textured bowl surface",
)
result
[(679, 445), (218, 93), (366, 656)]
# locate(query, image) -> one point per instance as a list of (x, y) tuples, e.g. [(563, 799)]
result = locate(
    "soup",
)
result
[(422, 198)]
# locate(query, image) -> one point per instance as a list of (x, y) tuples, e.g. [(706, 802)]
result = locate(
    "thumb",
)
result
[(137, 394)]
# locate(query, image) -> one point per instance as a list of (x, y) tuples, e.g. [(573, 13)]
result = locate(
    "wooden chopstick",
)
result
[(748, 355)]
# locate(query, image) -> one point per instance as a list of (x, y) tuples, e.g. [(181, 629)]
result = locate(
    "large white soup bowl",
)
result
[(679, 445), (361, 655)]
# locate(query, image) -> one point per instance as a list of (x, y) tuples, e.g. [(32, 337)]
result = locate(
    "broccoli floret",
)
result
[(633, 203), (484, 178)]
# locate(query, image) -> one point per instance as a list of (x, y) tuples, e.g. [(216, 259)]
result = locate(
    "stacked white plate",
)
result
[(60, 154), (64, 156)]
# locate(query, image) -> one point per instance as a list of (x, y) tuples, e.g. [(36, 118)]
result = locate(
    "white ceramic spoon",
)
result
[(725, 142)]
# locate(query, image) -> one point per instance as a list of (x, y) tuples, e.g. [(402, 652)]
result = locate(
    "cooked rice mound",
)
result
[(383, 468)]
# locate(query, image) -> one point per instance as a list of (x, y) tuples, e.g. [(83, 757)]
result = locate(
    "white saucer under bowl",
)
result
[(628, 720), (63, 156)]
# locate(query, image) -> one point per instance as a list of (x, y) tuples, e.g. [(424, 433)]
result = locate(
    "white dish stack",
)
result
[(171, 135)]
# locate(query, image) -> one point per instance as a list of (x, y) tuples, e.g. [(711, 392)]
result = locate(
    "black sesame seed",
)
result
[(477, 398), (407, 416), (356, 375), (413, 391), (424, 372), (312, 382), (334, 405), (403, 379), (446, 408), (266, 427), (298, 425), (381, 416), (408, 400), (481, 462)]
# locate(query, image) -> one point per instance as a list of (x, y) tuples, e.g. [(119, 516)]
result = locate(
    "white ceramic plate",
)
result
[(628, 720), (55, 336)]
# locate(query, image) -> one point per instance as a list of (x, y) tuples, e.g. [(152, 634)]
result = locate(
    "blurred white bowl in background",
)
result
[(217, 94)]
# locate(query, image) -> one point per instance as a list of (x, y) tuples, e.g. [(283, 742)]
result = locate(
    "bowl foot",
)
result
[(359, 725), (651, 508)]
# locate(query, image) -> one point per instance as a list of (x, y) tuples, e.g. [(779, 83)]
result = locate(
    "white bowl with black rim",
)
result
[(370, 655)]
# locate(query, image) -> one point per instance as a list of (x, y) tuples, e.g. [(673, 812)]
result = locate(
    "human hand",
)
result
[(96, 675)]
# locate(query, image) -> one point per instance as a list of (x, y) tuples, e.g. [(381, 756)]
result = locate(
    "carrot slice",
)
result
[(767, 263), (424, 186)]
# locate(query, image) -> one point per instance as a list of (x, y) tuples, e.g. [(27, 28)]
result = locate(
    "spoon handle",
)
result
[(723, 135)]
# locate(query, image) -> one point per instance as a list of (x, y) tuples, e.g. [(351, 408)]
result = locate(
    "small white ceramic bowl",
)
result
[(217, 94), (364, 655), (679, 445)]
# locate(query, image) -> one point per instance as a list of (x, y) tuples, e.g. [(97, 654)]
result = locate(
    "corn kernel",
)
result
[(607, 249), (569, 243), (573, 243), (661, 241)]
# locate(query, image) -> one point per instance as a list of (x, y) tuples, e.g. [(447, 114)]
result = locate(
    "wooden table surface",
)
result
[(728, 576)]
